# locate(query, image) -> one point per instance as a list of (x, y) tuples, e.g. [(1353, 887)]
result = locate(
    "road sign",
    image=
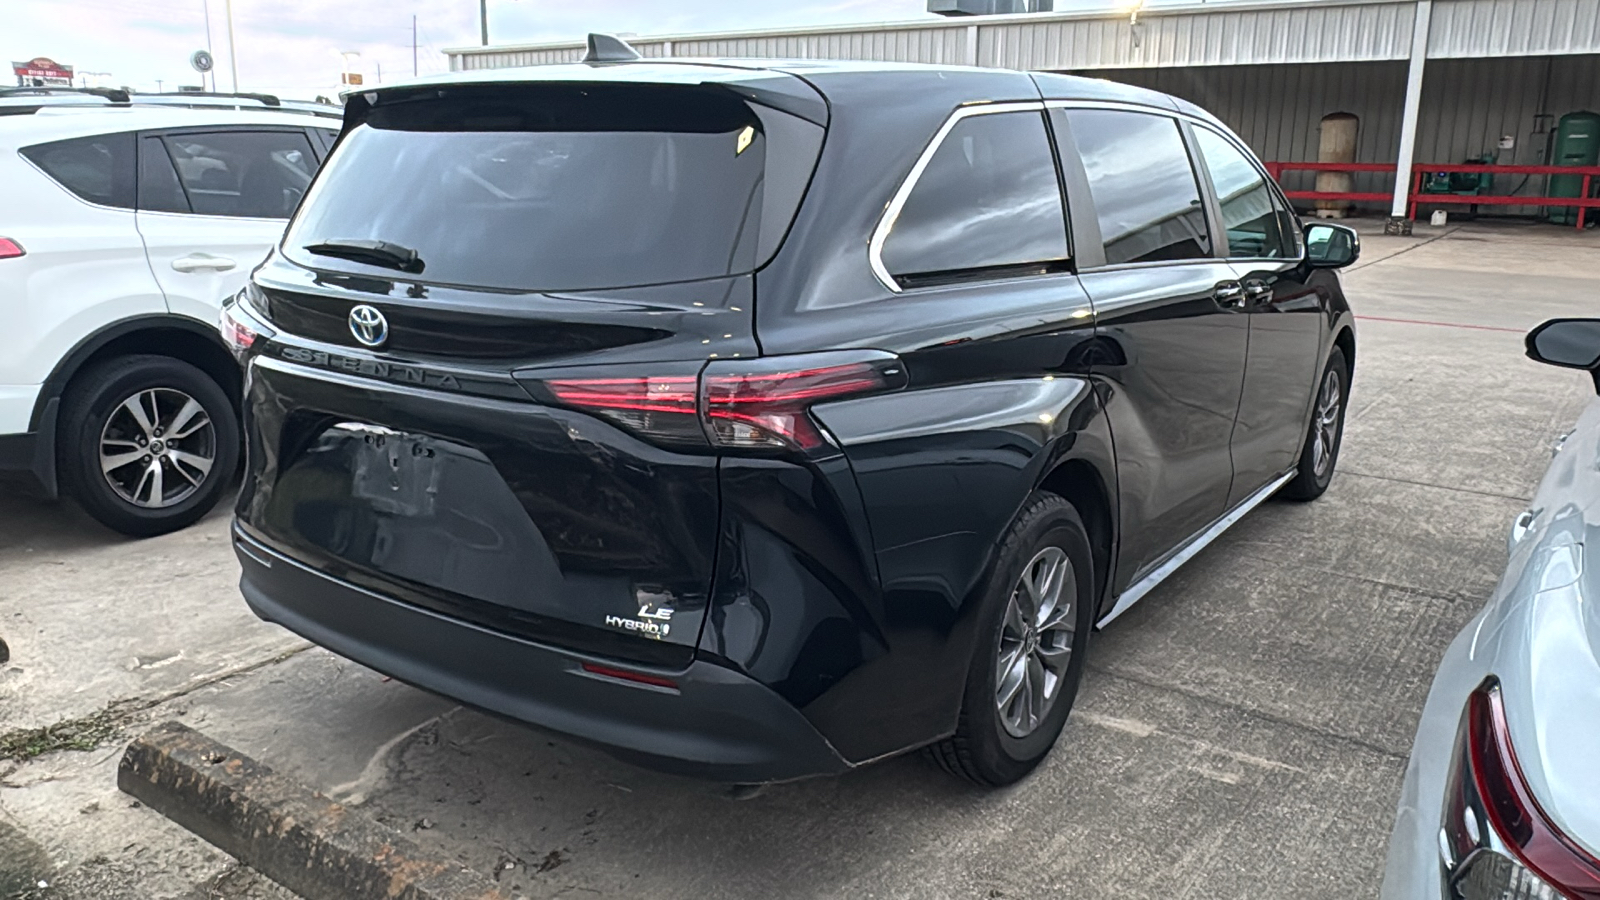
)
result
[(352, 78), (41, 71)]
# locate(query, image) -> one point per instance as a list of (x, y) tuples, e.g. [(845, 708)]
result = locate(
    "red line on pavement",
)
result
[(1441, 324)]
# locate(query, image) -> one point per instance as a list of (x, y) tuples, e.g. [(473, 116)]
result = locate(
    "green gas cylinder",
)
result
[(1577, 143)]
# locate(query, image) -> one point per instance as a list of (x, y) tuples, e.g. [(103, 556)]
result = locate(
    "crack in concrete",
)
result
[(1442, 487), (1403, 251), (95, 729), (1257, 714)]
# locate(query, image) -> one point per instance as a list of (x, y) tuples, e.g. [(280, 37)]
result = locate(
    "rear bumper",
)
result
[(717, 724)]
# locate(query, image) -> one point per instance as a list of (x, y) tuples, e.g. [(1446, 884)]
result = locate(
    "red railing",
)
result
[(1421, 171)]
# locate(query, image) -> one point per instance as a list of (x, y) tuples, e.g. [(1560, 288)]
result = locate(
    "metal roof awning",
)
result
[(1202, 34)]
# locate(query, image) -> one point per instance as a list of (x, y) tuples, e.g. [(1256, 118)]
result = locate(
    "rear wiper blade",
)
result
[(375, 253)]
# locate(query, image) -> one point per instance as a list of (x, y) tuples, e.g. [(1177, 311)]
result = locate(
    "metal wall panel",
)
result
[(941, 44), (1467, 106), (1477, 28), (1315, 33)]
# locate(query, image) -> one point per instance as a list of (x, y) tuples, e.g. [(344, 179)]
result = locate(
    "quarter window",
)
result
[(98, 169), (159, 190), (252, 174), (1144, 188), (1255, 221), (988, 200)]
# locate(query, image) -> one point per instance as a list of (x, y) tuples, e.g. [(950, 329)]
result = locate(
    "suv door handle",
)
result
[(198, 262), (1257, 291), (1229, 295)]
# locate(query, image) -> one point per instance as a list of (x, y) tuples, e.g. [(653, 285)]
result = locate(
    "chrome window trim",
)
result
[(891, 213)]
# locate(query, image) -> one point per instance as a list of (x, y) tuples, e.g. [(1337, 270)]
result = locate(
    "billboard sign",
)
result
[(42, 72)]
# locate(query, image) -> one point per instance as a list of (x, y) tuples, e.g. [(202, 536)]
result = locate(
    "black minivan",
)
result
[(761, 419)]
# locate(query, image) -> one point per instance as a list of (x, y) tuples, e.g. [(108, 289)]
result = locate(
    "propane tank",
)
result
[(1336, 143)]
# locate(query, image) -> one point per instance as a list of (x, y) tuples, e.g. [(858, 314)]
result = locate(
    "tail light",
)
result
[(10, 249), (754, 405), (661, 407), (1497, 842), (241, 322)]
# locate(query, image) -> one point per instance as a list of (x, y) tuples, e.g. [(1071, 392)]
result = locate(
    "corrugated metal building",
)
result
[(1468, 72)]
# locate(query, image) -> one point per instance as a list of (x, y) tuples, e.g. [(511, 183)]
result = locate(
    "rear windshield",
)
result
[(564, 186)]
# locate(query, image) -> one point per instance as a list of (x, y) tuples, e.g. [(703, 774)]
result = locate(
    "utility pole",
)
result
[(483, 20), (205, 6), (158, 85), (379, 64), (233, 58), (413, 46)]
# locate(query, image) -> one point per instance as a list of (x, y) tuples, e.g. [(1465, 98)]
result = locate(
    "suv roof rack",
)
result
[(27, 100), (115, 95)]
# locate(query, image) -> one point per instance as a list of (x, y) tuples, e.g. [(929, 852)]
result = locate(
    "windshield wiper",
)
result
[(373, 253)]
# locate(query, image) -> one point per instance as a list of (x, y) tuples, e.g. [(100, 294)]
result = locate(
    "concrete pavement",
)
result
[(1242, 732)]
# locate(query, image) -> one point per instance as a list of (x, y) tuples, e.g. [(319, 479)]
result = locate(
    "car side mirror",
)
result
[(1568, 343), (1331, 246)]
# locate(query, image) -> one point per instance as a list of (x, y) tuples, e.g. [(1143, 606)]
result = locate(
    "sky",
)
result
[(292, 47)]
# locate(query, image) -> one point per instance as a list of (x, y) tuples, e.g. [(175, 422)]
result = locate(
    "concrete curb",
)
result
[(282, 829)]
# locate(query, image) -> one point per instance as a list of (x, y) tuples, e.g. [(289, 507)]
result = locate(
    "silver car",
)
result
[(1502, 795)]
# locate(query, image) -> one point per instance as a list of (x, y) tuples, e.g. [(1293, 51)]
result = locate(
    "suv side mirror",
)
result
[(1569, 343), (1331, 246)]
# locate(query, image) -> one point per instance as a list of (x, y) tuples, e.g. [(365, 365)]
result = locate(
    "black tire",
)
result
[(99, 392), (982, 750), (1309, 481)]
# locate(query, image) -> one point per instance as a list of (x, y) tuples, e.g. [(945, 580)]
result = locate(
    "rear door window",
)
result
[(248, 174), (989, 201), (564, 186), (1257, 224), (1145, 193), (99, 169)]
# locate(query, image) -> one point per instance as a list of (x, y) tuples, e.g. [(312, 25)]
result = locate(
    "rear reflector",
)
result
[(625, 675), (10, 249)]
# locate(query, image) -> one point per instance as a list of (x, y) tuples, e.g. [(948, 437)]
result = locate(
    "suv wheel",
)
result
[(1321, 451), (148, 444), (1035, 622)]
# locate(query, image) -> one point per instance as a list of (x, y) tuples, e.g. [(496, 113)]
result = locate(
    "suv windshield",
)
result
[(563, 186)]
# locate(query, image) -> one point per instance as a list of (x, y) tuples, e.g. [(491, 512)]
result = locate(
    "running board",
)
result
[(1200, 541)]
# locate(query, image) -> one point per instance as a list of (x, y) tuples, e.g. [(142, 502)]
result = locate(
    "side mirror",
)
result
[(1331, 246), (1569, 343)]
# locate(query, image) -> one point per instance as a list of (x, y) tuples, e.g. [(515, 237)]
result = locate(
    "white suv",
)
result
[(124, 222)]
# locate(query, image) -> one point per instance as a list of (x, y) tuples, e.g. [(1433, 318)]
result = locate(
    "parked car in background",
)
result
[(760, 420), (1502, 793), (123, 223)]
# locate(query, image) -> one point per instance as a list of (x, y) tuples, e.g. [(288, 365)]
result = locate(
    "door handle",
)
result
[(1257, 291), (202, 262), (1229, 295)]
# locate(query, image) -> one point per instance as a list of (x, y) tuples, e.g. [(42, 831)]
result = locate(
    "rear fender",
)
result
[(942, 473)]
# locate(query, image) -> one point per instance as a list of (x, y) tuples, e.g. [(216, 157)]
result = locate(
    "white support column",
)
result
[(972, 45), (1398, 223)]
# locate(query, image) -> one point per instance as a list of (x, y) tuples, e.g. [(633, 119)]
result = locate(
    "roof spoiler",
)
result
[(608, 48)]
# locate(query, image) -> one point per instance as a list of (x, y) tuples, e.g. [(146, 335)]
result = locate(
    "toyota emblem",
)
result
[(368, 326)]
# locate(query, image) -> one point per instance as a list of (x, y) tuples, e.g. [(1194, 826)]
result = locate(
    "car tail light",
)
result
[(10, 249), (661, 407), (241, 325), (760, 404), (749, 406), (1497, 842)]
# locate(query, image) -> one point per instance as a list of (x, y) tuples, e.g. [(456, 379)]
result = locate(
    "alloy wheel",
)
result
[(1036, 641), (157, 448), (1325, 428)]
